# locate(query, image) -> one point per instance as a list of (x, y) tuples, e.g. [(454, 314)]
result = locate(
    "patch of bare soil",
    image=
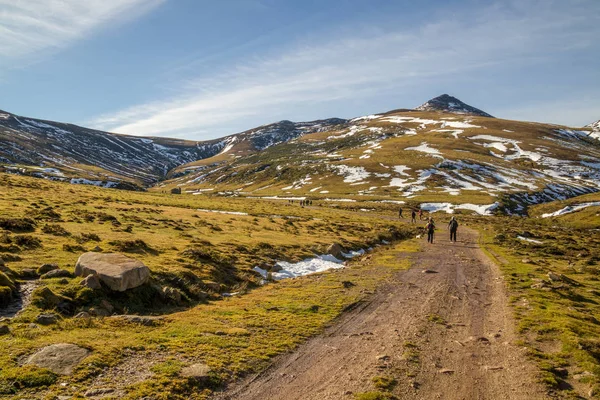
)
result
[(443, 329)]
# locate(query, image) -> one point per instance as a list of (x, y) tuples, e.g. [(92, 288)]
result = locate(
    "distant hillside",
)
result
[(416, 157), (62, 151)]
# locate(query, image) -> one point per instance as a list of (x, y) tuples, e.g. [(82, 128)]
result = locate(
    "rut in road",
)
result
[(443, 329)]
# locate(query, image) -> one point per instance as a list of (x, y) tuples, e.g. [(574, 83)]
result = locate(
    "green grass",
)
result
[(556, 319), (201, 254)]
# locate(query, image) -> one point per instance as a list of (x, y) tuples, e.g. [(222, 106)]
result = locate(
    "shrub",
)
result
[(56, 230), (87, 237), (73, 248), (27, 241), (132, 246), (17, 224)]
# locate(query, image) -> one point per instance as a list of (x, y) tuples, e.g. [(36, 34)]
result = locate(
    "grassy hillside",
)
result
[(552, 269), (420, 156), (204, 248)]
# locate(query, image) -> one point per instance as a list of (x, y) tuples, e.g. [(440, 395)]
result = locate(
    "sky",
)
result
[(199, 69)]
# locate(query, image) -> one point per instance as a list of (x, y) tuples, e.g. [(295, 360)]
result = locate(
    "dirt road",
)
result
[(443, 329)]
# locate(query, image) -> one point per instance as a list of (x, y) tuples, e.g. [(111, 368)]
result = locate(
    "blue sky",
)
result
[(203, 69)]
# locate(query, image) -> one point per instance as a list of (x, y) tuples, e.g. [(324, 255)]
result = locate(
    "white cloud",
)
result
[(30, 28), (365, 64)]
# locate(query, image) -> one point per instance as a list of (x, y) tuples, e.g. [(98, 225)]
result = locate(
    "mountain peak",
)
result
[(594, 125), (447, 103)]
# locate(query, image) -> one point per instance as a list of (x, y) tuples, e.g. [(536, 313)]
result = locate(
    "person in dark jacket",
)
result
[(430, 228), (400, 213), (453, 227), (413, 217)]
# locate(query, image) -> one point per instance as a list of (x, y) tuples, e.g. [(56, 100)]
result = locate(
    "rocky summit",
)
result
[(447, 103)]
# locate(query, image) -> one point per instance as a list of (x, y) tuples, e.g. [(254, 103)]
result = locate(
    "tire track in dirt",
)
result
[(447, 333)]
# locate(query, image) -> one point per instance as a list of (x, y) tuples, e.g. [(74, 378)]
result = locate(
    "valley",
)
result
[(275, 259)]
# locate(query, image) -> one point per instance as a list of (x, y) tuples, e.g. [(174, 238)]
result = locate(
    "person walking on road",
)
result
[(453, 227), (413, 217), (430, 227), (400, 213)]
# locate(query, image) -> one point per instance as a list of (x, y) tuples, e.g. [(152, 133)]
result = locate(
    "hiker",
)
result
[(430, 227), (413, 217), (453, 226), (420, 215), (400, 213)]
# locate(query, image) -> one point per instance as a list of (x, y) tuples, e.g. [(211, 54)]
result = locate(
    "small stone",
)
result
[(56, 273), (335, 250), (446, 371), (47, 319), (92, 282), (4, 330), (46, 268), (29, 273), (59, 358), (383, 357), (429, 271), (276, 268), (107, 306), (199, 372)]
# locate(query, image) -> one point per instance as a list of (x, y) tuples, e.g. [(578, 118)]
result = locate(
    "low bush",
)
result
[(17, 224)]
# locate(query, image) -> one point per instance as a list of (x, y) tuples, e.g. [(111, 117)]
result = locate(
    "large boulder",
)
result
[(116, 271), (59, 358)]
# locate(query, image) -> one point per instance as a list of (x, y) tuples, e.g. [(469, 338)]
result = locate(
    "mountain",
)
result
[(441, 159), (62, 151), (447, 103), (595, 126)]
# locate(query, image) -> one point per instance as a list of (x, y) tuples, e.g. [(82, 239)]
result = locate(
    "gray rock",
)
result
[(92, 282), (47, 319), (4, 330), (59, 358), (107, 306), (56, 273), (116, 271), (199, 372), (46, 268), (276, 268), (29, 273), (553, 277), (335, 250)]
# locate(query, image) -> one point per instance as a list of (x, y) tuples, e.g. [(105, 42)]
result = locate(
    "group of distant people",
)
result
[(302, 202), (430, 227)]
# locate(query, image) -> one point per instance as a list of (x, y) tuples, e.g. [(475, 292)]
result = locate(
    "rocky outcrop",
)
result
[(447, 103), (335, 250), (116, 271), (59, 358)]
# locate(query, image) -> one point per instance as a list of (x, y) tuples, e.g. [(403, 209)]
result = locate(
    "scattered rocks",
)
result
[(46, 268), (56, 273), (335, 250), (4, 330), (198, 372), (59, 358), (92, 282), (47, 319), (116, 271), (99, 392)]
